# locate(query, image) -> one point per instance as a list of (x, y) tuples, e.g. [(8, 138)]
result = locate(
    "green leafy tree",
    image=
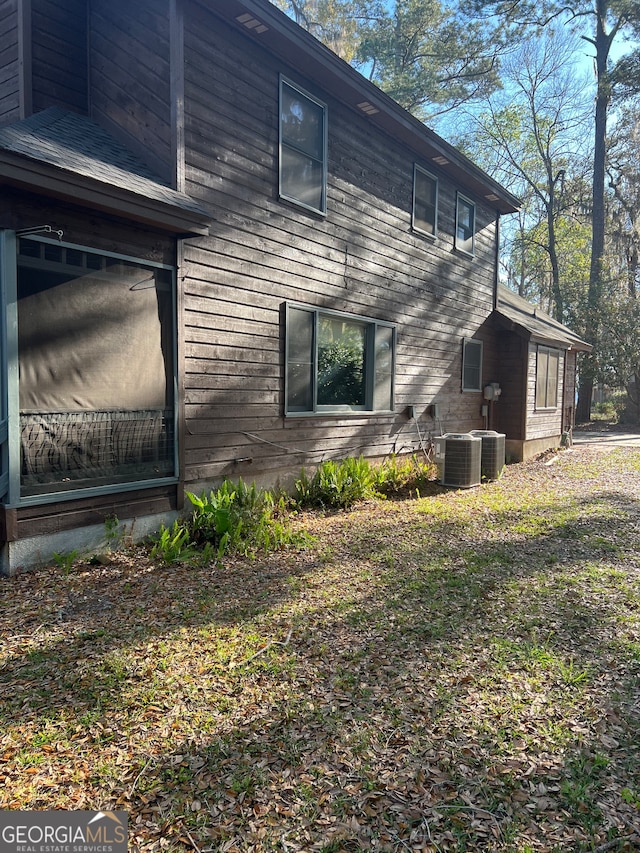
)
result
[(427, 56), (333, 22), (528, 137), (599, 23)]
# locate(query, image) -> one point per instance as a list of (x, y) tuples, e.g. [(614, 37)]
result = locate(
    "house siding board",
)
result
[(509, 410), (9, 63), (54, 518), (59, 54), (131, 76), (363, 258)]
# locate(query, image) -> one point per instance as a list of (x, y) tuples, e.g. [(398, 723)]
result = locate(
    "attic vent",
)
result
[(491, 197), (441, 161), (247, 20), (368, 108)]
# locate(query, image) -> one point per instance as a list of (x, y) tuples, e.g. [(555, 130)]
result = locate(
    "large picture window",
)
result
[(471, 365), (547, 368), (425, 202), (303, 148), (96, 368), (465, 225), (337, 362)]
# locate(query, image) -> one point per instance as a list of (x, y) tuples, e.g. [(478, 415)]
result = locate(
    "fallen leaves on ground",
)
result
[(459, 672)]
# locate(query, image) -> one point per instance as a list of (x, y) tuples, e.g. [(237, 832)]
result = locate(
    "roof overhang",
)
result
[(266, 25), (515, 314), (42, 178)]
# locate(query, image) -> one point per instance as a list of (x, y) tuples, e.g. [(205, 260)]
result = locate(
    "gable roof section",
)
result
[(67, 155), (261, 21), (516, 314)]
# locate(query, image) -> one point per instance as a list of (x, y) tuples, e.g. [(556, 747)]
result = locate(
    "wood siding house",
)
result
[(539, 361), (223, 253)]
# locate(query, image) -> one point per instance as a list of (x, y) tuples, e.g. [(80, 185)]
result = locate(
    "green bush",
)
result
[(406, 476), (339, 485), (336, 484), (242, 519)]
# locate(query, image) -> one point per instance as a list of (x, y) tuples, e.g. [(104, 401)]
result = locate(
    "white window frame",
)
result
[(543, 389), (467, 345), (418, 171), (376, 331), (284, 145), (465, 244)]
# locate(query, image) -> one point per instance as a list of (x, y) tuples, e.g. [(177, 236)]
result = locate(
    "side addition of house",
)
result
[(223, 253)]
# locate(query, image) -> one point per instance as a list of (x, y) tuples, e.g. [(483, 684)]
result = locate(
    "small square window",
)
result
[(425, 202), (471, 365), (303, 148), (465, 225)]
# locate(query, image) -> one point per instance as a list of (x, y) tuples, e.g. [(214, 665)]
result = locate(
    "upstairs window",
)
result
[(303, 148), (471, 365), (337, 362), (425, 202), (465, 225), (547, 369)]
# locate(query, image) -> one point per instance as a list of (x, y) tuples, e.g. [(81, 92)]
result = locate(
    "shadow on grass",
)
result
[(475, 682)]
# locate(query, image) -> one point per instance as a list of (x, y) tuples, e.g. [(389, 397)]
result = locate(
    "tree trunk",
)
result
[(596, 271)]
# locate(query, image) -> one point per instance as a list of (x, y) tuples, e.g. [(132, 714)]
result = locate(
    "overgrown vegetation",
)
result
[(241, 519), (451, 673)]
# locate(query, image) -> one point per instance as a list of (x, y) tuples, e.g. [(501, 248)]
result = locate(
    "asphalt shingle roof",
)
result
[(76, 144), (536, 321)]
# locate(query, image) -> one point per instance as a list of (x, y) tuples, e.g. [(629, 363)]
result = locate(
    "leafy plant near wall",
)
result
[(234, 518), (242, 519), (342, 484)]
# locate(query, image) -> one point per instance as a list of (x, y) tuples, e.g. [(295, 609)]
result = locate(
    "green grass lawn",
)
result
[(459, 672)]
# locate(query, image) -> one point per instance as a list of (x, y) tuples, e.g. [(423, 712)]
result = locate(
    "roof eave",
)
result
[(508, 323), (34, 176), (299, 48)]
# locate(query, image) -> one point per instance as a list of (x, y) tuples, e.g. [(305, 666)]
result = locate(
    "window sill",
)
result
[(344, 413)]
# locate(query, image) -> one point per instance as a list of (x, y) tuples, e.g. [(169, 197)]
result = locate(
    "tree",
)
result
[(333, 22), (427, 57), (528, 137), (423, 53), (623, 171), (598, 22)]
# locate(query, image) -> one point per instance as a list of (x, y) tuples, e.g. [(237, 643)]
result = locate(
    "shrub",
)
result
[(404, 476), (336, 484)]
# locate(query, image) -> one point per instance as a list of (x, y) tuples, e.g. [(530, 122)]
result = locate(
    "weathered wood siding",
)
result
[(542, 422), (59, 54), (9, 63), (510, 410), (362, 258), (130, 77)]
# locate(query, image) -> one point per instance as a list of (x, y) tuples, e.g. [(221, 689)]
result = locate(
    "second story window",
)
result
[(425, 202), (303, 148), (465, 225)]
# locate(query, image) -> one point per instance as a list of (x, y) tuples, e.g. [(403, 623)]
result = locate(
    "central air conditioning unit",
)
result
[(493, 452), (458, 458)]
